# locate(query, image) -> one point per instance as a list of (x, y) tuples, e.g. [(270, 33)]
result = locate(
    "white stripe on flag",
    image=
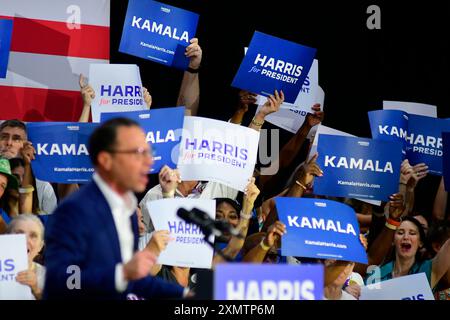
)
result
[(46, 71), (92, 12)]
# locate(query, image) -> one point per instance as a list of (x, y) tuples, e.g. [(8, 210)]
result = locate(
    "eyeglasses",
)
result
[(138, 153)]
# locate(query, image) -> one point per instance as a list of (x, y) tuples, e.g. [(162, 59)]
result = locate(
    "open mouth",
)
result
[(405, 246)]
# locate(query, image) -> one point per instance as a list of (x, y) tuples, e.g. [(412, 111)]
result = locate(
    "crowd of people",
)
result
[(103, 228)]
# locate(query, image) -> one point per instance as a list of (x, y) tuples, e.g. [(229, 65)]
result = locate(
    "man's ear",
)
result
[(105, 160)]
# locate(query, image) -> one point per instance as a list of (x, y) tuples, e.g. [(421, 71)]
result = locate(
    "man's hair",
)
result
[(13, 124), (104, 137)]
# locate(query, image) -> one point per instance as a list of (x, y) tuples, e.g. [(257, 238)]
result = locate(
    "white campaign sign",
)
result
[(118, 88), (13, 259), (420, 109), (413, 287), (218, 151), (321, 129), (187, 247)]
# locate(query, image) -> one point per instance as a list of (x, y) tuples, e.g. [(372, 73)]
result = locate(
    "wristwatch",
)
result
[(191, 70)]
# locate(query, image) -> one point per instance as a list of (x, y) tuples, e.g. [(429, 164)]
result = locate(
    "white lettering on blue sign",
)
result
[(270, 290), (61, 149), (321, 224), (358, 164), (159, 28), (425, 141), (158, 137), (278, 65)]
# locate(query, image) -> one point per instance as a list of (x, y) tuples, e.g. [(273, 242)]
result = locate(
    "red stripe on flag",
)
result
[(32, 104), (55, 38)]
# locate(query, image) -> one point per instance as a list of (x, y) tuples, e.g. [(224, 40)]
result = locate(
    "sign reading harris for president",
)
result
[(163, 129), (321, 229), (213, 150), (158, 32), (410, 287), (358, 167), (420, 135), (273, 64), (118, 88), (13, 259), (6, 26), (61, 151), (268, 282), (187, 247)]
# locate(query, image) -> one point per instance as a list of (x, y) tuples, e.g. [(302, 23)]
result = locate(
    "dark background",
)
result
[(407, 60)]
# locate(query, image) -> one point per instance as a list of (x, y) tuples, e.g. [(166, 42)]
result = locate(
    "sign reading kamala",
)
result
[(321, 229), (420, 135), (268, 282), (157, 32), (13, 259), (358, 168), (218, 151), (273, 64), (187, 247), (163, 136), (118, 88), (6, 26), (61, 151), (446, 159), (411, 287)]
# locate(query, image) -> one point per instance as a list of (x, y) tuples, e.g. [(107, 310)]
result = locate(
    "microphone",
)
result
[(206, 223)]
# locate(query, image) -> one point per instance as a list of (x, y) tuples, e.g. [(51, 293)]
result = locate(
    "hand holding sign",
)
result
[(273, 104), (313, 119), (158, 242), (28, 278), (396, 206), (169, 180), (246, 98), (87, 92), (274, 234), (194, 53), (28, 152), (306, 173), (147, 97), (251, 193)]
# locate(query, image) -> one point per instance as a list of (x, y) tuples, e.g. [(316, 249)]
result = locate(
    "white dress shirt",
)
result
[(122, 208)]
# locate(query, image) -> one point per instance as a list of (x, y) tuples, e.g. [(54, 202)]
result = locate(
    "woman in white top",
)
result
[(32, 227)]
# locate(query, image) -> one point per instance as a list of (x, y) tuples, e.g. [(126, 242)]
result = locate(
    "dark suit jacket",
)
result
[(82, 233)]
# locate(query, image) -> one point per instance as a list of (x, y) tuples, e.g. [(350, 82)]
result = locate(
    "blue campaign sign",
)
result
[(420, 135), (163, 128), (389, 125), (321, 229), (238, 281), (446, 159), (5, 45), (158, 32), (273, 64), (61, 151), (358, 167), (424, 143)]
